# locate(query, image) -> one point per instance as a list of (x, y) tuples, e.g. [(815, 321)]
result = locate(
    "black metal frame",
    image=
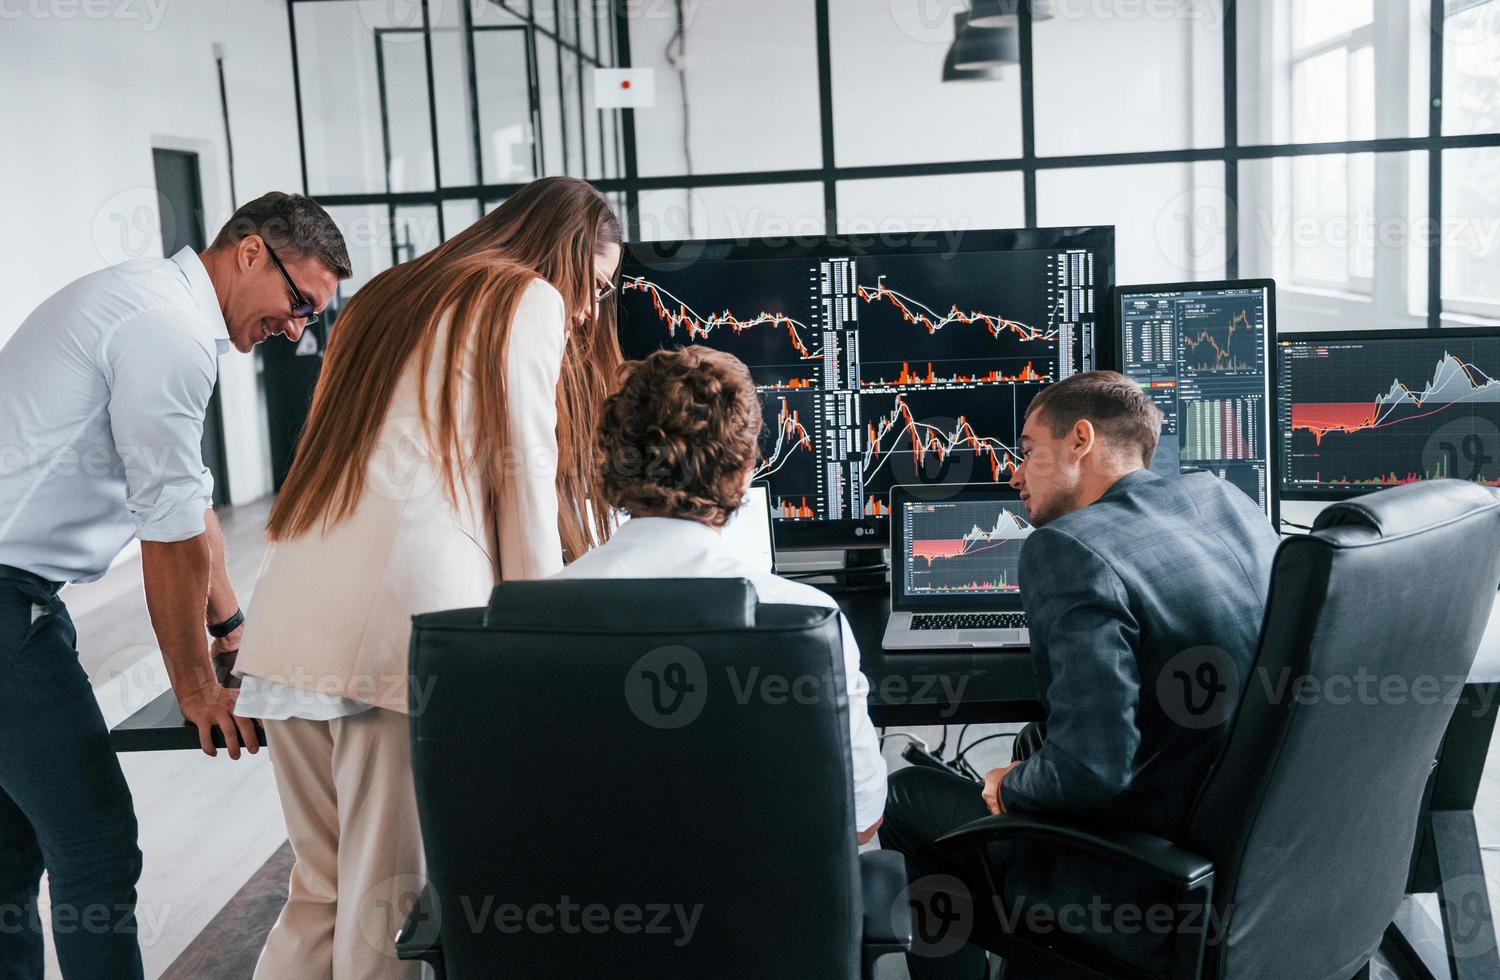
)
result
[(1029, 164), (481, 192)]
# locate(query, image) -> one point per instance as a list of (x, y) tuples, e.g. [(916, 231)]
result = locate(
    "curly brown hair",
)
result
[(678, 436)]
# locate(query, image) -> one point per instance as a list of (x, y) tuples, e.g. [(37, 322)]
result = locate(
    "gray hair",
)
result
[(292, 224)]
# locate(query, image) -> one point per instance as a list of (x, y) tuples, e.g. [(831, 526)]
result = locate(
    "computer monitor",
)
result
[(879, 361), (1202, 351), (1362, 410)]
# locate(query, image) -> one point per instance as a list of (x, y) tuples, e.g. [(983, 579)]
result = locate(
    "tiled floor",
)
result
[(211, 829)]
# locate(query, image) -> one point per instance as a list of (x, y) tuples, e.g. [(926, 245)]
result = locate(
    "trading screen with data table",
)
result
[(879, 367), (1361, 411), (1202, 351), (962, 547)]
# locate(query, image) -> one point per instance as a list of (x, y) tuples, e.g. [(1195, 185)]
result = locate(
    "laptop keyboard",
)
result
[(969, 621)]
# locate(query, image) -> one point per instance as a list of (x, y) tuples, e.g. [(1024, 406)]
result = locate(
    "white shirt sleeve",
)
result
[(864, 743), (161, 376), (530, 545)]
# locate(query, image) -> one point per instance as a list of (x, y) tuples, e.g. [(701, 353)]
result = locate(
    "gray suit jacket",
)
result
[(1145, 608)]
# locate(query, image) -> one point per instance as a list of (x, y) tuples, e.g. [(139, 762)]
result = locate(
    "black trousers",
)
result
[(950, 924), (64, 803)]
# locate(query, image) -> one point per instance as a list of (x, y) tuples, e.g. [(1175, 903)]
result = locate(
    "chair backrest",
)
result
[(637, 778), (1372, 624)]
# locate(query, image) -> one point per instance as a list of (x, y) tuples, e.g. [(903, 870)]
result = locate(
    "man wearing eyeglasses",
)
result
[(103, 393)]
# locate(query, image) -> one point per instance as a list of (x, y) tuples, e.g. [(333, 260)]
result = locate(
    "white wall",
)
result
[(85, 99)]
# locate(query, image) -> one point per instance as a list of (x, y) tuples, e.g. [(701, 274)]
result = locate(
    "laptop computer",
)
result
[(749, 533), (954, 555)]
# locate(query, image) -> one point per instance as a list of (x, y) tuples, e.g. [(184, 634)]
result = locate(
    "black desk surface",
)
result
[(935, 687)]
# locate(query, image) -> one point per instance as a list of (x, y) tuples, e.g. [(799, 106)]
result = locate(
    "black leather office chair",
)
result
[(668, 758), (1302, 835)]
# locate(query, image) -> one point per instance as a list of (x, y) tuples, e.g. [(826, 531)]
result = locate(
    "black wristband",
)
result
[(220, 630)]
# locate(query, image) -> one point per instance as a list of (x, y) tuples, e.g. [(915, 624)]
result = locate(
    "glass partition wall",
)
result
[(1347, 148)]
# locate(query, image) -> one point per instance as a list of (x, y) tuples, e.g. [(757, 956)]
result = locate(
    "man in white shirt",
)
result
[(678, 443), (103, 393)]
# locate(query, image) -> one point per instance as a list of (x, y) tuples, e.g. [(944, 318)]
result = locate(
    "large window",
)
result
[(1344, 147)]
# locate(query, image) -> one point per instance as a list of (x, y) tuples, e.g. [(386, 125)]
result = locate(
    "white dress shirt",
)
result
[(663, 547), (329, 625), (103, 392)]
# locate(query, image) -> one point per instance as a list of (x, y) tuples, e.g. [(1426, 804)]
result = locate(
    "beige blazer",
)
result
[(331, 612)]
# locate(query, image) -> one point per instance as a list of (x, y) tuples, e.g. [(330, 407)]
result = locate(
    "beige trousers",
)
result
[(351, 814)]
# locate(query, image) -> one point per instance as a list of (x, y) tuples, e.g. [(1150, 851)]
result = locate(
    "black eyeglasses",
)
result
[(604, 292), (302, 307)]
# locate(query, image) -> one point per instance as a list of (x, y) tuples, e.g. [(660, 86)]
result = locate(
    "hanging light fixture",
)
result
[(1002, 13), (977, 48), (993, 13), (951, 71)]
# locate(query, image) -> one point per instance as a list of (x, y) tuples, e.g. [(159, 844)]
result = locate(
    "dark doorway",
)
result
[(181, 197)]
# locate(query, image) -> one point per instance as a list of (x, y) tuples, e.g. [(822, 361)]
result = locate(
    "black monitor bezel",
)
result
[(875, 532), (1273, 482), (1362, 335)]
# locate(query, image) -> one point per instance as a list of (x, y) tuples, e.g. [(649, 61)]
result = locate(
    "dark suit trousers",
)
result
[(949, 930), (64, 803)]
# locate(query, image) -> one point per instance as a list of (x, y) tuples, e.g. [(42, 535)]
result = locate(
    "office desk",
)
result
[(937, 687), (943, 687)]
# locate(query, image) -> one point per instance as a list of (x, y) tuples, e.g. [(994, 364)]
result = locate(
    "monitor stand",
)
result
[(860, 571)]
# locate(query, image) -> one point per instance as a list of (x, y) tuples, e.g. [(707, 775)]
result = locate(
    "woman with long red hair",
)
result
[(448, 448)]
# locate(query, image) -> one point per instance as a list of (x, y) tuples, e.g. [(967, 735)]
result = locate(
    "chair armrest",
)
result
[(1157, 857), (419, 938), (883, 877)]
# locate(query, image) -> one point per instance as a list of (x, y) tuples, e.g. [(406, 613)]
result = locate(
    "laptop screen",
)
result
[(748, 533), (955, 551)]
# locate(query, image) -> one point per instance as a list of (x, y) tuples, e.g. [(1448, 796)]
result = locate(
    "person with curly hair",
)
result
[(676, 447)]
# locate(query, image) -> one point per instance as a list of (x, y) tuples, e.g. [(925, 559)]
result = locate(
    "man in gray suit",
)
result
[(1145, 597)]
